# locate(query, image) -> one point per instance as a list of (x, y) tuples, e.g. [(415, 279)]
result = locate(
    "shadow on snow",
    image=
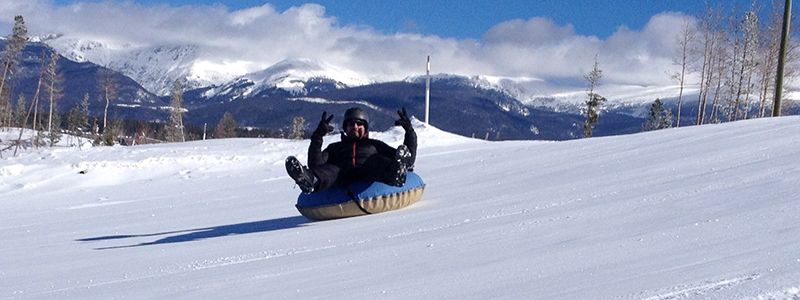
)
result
[(208, 232)]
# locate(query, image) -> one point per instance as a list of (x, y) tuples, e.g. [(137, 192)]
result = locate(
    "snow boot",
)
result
[(401, 160), (302, 176)]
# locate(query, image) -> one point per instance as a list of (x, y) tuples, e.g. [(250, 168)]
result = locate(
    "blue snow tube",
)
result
[(362, 198)]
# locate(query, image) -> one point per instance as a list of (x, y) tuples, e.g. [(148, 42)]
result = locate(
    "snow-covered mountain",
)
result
[(157, 67), (154, 67), (297, 76)]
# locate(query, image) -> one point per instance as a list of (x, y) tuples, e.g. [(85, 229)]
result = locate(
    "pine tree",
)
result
[(20, 113), (16, 43), (75, 120), (175, 130), (226, 127), (658, 117), (110, 134), (6, 115), (297, 128), (84, 110), (54, 134), (595, 101)]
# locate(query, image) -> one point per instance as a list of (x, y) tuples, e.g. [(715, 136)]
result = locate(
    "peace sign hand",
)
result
[(404, 121), (324, 126)]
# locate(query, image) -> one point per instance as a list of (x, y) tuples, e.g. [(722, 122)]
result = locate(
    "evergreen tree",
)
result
[(595, 101), (6, 113), (17, 41), (110, 134), (84, 110), (75, 121), (175, 130), (297, 128), (658, 117), (226, 127), (54, 134), (20, 113)]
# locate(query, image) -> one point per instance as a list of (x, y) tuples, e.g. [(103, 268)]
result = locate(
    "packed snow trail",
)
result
[(704, 212)]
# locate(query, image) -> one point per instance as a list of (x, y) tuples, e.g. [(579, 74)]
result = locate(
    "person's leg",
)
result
[(398, 170), (326, 175), (375, 168), (320, 178), (300, 174), (391, 171)]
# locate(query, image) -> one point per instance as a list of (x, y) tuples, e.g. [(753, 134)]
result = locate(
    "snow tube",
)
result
[(365, 198)]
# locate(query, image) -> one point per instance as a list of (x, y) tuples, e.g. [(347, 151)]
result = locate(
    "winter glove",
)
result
[(324, 125), (404, 121)]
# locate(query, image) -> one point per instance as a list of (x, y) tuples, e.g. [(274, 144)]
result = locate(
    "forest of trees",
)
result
[(733, 53), (46, 126)]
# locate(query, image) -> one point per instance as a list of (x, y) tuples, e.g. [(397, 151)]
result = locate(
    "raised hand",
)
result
[(404, 121), (324, 126)]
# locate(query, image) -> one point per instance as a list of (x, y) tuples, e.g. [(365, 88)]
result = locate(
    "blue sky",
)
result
[(548, 40), (471, 18)]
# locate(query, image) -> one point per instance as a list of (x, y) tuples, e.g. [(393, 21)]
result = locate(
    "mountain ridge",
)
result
[(157, 67), (269, 98)]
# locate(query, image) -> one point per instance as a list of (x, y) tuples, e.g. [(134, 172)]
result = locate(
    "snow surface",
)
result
[(702, 212)]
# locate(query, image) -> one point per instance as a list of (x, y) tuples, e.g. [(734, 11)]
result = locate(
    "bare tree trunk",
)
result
[(108, 89), (34, 103), (105, 111), (710, 31), (684, 42), (715, 103), (35, 107)]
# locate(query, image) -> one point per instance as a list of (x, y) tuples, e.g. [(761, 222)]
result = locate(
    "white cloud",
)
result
[(258, 37), (536, 32)]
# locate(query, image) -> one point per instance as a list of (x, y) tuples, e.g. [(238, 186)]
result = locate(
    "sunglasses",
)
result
[(355, 122)]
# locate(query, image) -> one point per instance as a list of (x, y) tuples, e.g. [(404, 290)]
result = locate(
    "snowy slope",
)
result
[(704, 212)]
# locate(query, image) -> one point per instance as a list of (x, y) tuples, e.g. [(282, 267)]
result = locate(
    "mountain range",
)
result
[(481, 106)]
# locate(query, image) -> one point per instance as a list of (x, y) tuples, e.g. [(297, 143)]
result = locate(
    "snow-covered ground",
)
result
[(703, 212)]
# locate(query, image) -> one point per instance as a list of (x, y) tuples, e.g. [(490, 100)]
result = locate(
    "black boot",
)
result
[(401, 160), (302, 176)]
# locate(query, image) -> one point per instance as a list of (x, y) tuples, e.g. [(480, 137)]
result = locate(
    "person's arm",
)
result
[(315, 153)]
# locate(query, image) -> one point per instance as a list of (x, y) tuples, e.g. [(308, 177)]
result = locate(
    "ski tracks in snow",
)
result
[(786, 294), (701, 290), (225, 261)]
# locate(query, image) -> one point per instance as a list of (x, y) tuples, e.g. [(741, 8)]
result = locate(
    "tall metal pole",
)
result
[(428, 92), (787, 16)]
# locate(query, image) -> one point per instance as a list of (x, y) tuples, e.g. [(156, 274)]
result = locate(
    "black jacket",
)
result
[(350, 153)]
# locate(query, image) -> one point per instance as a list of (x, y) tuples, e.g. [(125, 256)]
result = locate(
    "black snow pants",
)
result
[(376, 168)]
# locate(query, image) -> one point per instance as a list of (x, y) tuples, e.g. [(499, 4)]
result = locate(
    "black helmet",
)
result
[(355, 113)]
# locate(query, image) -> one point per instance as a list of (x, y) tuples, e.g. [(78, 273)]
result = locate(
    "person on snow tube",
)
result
[(356, 157)]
